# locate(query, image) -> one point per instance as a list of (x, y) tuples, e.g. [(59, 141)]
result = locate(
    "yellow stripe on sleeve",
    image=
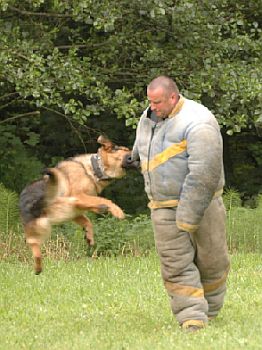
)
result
[(162, 157)]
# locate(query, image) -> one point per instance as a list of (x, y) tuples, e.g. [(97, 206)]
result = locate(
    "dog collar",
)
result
[(98, 167)]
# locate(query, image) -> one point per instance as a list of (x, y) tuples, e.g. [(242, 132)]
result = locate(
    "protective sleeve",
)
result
[(135, 153), (205, 165)]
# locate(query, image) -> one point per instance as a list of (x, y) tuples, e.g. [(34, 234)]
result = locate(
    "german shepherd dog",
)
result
[(67, 191)]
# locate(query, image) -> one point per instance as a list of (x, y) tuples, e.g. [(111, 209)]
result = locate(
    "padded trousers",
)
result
[(194, 267)]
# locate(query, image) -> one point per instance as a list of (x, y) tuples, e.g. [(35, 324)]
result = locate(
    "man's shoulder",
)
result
[(195, 104), (197, 110)]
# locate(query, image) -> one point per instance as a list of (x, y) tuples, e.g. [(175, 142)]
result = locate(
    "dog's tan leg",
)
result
[(36, 232), (34, 244), (98, 205), (37, 256), (88, 227)]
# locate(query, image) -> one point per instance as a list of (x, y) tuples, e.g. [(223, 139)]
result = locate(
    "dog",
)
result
[(67, 191)]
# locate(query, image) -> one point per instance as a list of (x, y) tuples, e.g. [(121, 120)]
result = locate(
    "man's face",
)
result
[(161, 102)]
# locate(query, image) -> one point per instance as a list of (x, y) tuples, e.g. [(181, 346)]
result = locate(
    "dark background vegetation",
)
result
[(70, 70)]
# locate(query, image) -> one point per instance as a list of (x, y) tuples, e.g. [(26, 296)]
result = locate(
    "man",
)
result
[(179, 145)]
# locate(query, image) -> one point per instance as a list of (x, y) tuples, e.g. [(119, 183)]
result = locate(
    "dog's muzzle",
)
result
[(129, 163)]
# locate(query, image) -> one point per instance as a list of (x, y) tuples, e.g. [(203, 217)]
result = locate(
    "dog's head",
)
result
[(113, 157)]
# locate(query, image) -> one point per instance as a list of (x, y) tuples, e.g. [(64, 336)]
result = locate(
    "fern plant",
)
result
[(231, 198), (9, 212)]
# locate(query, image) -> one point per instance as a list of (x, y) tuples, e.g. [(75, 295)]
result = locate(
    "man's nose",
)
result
[(152, 106)]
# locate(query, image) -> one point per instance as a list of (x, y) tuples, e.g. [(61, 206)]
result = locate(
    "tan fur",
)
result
[(71, 189)]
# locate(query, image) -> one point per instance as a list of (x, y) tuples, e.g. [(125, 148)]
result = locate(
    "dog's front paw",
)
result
[(103, 208), (117, 212)]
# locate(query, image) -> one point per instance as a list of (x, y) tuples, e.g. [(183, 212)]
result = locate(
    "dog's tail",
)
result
[(56, 184), (40, 193), (31, 201)]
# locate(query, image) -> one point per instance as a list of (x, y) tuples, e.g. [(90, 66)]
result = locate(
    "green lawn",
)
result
[(119, 303)]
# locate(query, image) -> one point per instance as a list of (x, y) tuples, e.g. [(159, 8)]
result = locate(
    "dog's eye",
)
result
[(119, 148)]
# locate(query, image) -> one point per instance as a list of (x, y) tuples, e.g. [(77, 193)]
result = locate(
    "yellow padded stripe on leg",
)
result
[(210, 287), (162, 204), (178, 289), (187, 227)]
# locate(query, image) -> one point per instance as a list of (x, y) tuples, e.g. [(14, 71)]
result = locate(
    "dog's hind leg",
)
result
[(36, 232), (37, 257), (98, 205), (34, 244), (84, 222)]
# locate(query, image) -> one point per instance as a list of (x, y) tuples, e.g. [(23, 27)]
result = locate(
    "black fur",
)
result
[(31, 201)]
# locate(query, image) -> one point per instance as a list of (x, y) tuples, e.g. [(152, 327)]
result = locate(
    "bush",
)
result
[(130, 236)]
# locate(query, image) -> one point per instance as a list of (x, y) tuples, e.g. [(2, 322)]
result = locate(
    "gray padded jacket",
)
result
[(181, 160)]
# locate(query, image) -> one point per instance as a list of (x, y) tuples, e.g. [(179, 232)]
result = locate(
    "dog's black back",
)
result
[(31, 201)]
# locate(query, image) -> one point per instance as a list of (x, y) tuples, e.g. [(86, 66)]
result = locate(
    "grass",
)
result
[(116, 301), (119, 303), (244, 229)]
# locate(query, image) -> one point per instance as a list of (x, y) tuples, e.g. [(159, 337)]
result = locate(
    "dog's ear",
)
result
[(105, 142)]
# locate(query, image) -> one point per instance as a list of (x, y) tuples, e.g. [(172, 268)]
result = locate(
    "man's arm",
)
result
[(205, 164)]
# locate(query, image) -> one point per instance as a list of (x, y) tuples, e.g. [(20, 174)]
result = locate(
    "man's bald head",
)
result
[(167, 84)]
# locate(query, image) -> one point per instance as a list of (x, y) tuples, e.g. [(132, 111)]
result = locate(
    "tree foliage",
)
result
[(86, 57), (86, 63)]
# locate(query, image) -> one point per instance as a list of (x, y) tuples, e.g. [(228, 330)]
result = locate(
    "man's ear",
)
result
[(175, 97), (105, 142)]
